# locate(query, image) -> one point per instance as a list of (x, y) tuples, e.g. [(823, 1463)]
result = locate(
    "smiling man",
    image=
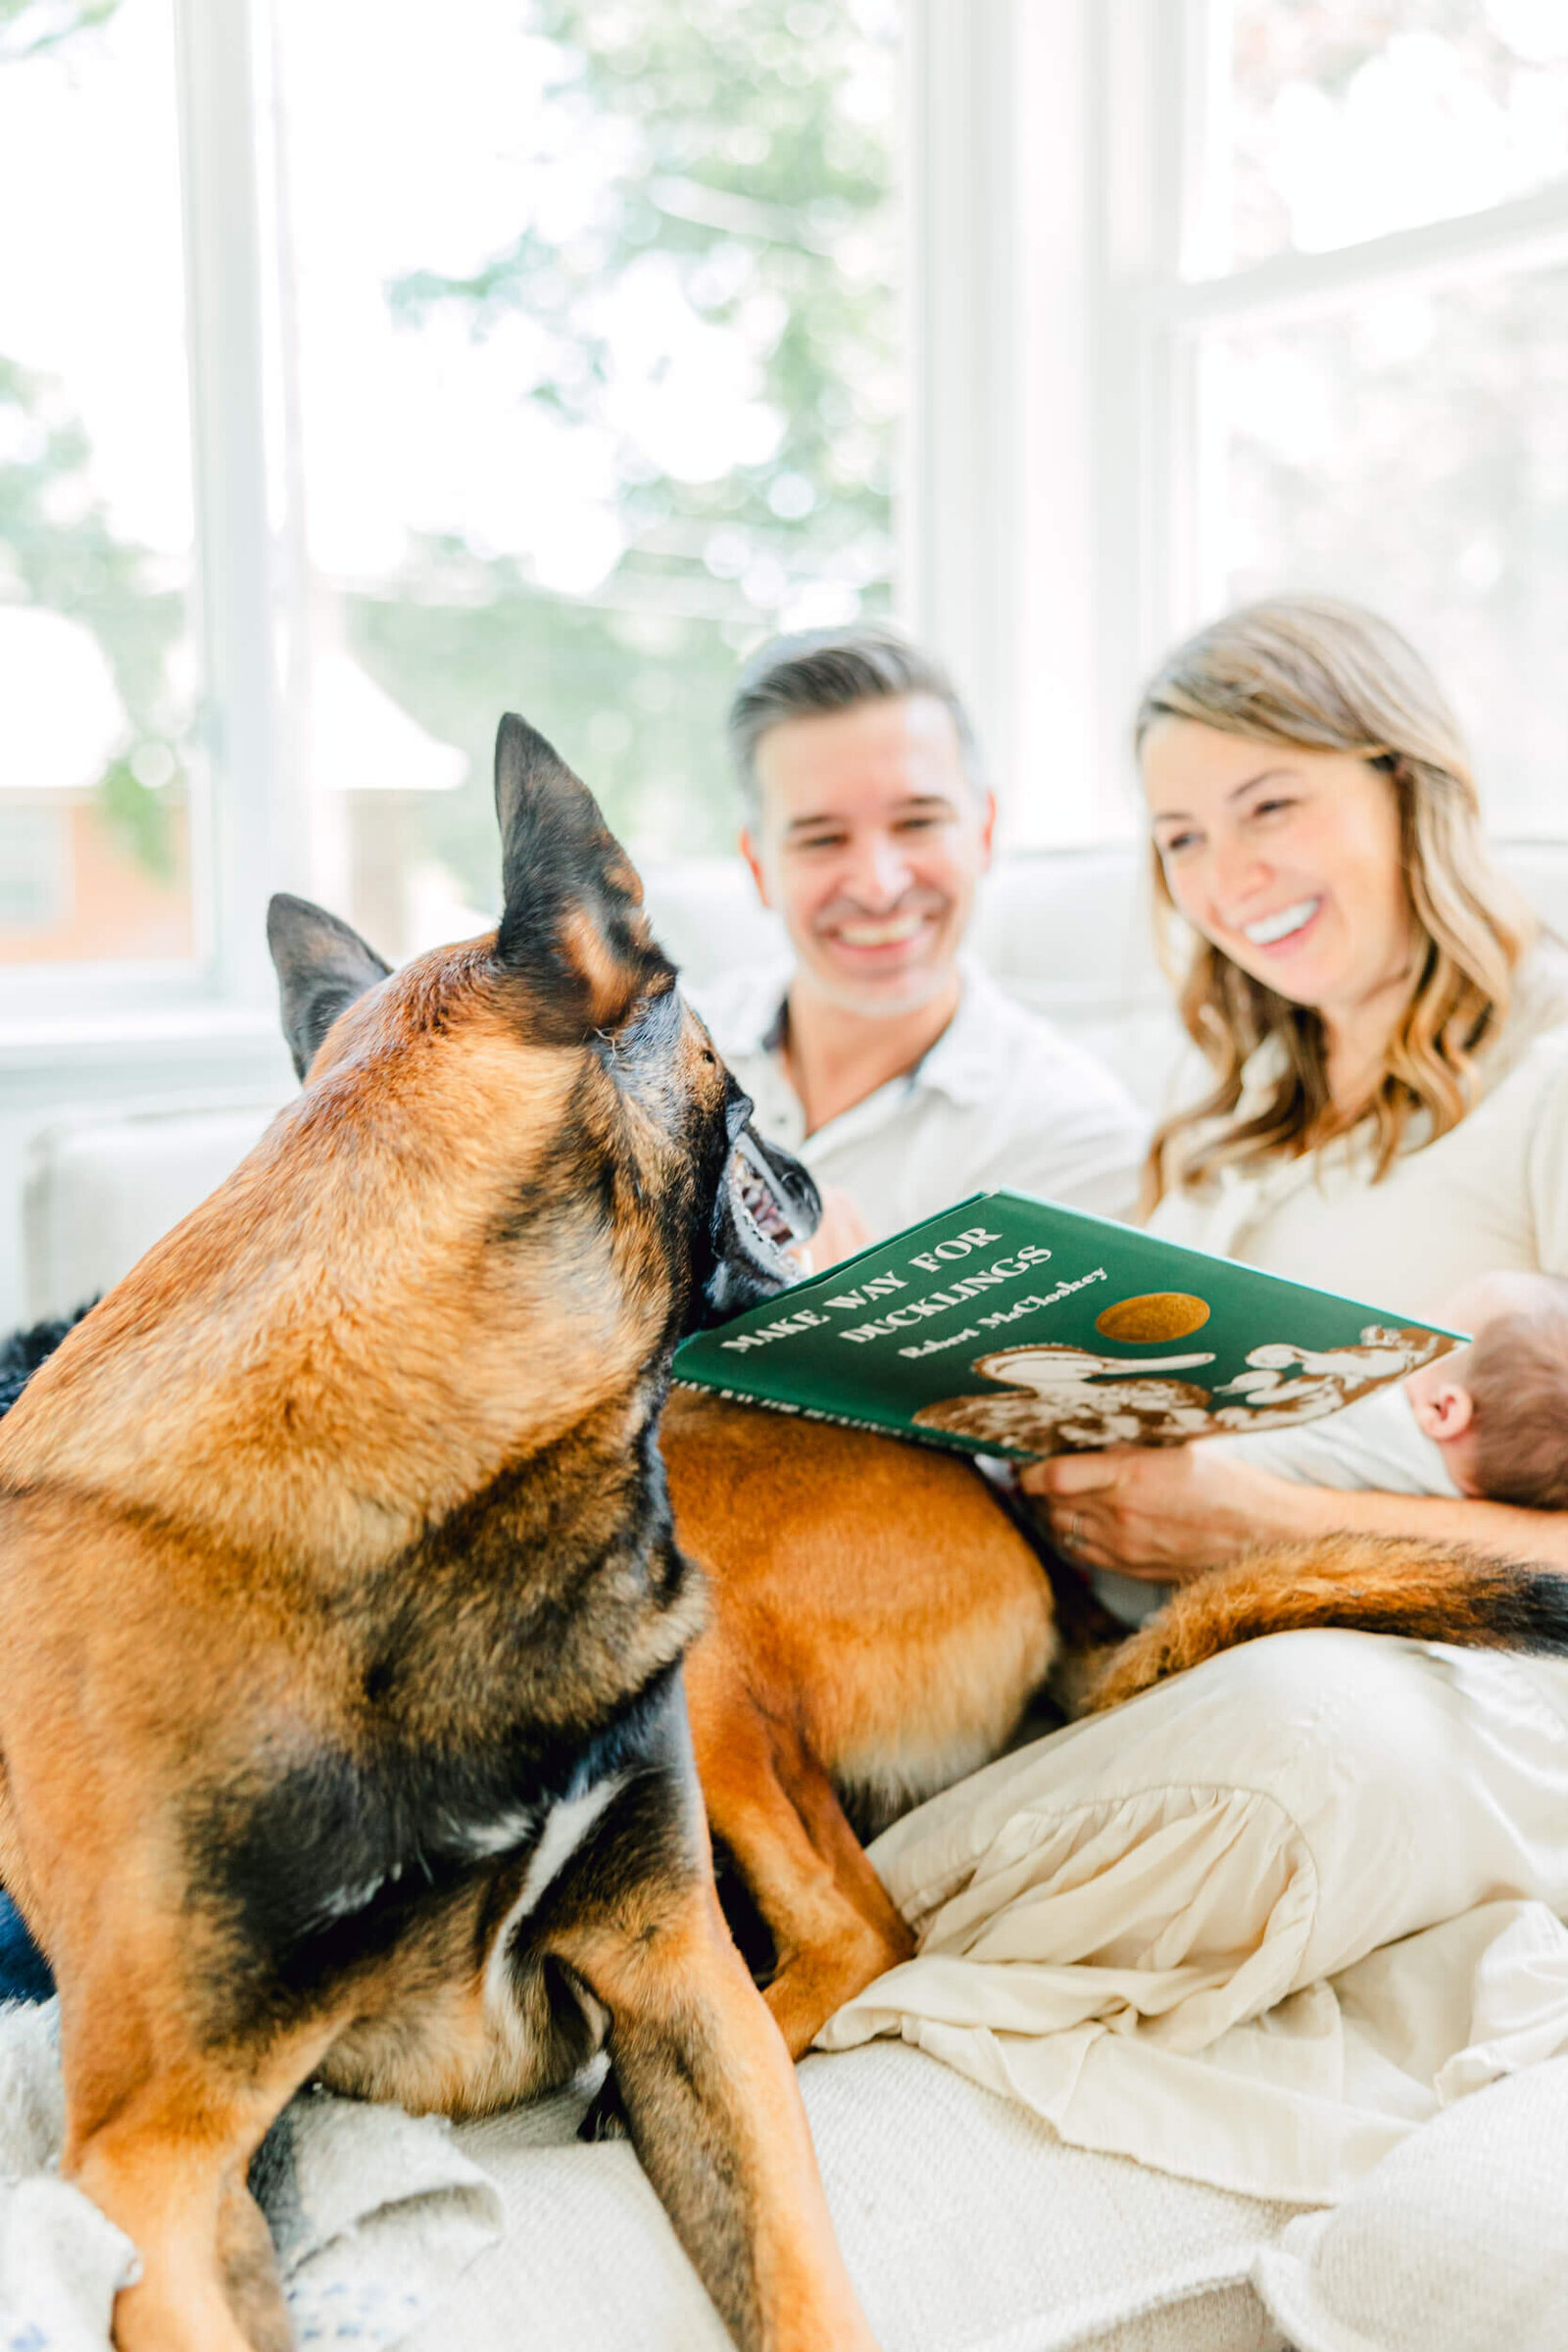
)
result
[(899, 1072)]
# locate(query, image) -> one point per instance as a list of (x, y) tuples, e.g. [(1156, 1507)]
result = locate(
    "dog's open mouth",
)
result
[(766, 1219), (760, 1203), (767, 1202)]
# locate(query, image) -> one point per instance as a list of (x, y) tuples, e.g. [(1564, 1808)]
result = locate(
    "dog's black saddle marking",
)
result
[(328, 1865)]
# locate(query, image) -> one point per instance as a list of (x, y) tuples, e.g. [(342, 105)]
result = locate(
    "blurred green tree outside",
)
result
[(754, 152), (61, 552), (755, 149)]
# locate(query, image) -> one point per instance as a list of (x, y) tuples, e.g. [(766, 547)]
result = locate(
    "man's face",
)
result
[(871, 844)]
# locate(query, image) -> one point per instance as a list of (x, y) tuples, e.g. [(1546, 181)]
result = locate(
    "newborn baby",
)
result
[(1498, 1411), (1490, 1419)]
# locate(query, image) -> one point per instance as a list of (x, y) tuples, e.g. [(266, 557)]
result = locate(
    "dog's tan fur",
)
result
[(879, 1628), (413, 1333), (1372, 1583)]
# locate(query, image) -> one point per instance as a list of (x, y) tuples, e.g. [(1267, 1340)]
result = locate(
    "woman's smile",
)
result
[(1286, 929), (1298, 944)]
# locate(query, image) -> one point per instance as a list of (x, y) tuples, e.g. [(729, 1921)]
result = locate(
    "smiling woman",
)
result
[(1315, 821), (1388, 1114), (1386, 1036)]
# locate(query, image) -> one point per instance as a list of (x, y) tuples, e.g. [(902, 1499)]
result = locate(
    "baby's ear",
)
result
[(1444, 1409), (1459, 1410)]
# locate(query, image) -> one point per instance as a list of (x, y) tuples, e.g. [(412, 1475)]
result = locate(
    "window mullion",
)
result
[(957, 528), (1145, 85), (240, 842)]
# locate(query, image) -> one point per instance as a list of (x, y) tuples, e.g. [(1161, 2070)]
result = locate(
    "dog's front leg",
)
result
[(710, 2097), (770, 1803), (160, 2137)]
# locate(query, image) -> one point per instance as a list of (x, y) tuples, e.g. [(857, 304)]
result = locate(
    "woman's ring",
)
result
[(1069, 1537)]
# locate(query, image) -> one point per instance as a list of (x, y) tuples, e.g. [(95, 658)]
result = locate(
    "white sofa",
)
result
[(968, 2227)]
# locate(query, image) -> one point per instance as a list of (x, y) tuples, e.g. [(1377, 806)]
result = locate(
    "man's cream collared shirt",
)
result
[(1000, 1098)]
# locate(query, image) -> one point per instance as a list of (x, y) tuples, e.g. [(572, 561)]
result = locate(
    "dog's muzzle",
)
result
[(765, 1202)]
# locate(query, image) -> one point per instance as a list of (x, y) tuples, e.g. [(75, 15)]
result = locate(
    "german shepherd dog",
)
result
[(342, 1728)]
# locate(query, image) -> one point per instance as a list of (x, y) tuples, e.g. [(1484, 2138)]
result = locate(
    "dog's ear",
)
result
[(321, 967), (572, 923)]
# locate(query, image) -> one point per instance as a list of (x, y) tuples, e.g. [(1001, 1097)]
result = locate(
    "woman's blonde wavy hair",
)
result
[(1324, 676)]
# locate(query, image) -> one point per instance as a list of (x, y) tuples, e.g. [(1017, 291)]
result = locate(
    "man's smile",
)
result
[(881, 931)]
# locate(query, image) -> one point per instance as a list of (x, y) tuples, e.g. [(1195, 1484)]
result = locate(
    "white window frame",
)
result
[(64, 1028), (1162, 81), (1062, 495), (1030, 546)]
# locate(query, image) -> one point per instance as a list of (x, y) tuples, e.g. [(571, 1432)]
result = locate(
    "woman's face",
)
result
[(1288, 860)]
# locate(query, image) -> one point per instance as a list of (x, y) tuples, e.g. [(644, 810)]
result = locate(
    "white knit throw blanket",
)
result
[(374, 2213)]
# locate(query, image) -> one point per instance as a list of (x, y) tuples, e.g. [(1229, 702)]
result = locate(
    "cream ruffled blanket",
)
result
[(1259, 1976)]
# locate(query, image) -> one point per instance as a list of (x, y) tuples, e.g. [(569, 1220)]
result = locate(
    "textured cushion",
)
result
[(1456, 2242), (967, 2224)]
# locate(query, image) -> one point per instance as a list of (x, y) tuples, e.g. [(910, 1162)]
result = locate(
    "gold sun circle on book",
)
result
[(1156, 1316)]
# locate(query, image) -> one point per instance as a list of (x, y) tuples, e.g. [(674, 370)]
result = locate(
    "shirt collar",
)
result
[(965, 1064), (976, 1051)]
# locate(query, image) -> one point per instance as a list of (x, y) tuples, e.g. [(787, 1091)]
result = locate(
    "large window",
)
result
[(544, 356), (591, 352), (1354, 345)]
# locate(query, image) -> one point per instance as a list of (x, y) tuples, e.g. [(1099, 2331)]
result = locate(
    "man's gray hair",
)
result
[(819, 671)]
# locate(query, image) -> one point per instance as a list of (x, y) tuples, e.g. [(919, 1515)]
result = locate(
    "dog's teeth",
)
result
[(762, 1206), (764, 1211)]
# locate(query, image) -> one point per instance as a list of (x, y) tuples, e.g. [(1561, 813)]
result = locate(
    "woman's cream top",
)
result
[(1493, 1191)]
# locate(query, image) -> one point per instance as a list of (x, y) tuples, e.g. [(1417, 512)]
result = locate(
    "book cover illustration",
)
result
[(1016, 1325)]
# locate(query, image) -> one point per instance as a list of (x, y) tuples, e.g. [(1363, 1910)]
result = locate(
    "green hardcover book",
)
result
[(1016, 1325)]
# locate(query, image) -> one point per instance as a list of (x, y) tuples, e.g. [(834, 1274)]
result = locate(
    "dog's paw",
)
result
[(606, 2118)]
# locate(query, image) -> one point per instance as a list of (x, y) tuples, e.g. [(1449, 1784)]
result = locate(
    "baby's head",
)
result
[(1499, 1408)]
